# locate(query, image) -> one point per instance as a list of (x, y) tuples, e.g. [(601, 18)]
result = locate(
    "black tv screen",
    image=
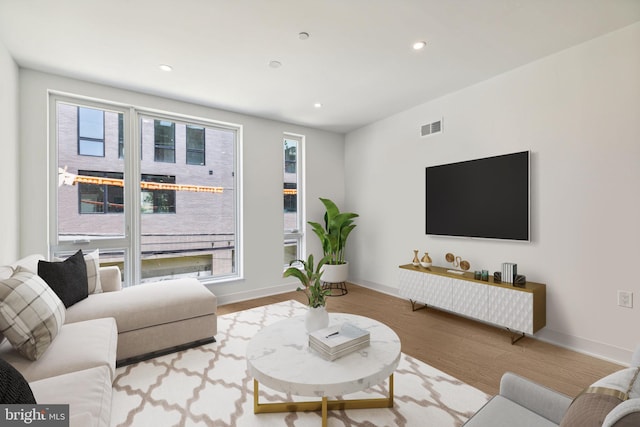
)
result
[(484, 198)]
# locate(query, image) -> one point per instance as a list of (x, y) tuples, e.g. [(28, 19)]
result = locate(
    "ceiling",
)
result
[(358, 60)]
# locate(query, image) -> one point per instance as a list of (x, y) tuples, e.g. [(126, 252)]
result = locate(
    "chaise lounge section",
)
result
[(113, 326)]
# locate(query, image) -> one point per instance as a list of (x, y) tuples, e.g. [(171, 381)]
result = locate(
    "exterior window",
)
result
[(90, 132), (100, 198), (160, 200), (291, 193), (164, 141), (200, 240), (195, 145)]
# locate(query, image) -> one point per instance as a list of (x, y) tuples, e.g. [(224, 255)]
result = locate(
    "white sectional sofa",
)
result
[(115, 326)]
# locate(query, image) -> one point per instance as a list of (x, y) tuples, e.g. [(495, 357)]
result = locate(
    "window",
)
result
[(90, 132), (293, 217), (195, 145), (153, 218), (164, 141), (160, 200), (100, 197)]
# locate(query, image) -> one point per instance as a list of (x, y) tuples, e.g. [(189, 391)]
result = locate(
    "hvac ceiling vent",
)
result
[(431, 128)]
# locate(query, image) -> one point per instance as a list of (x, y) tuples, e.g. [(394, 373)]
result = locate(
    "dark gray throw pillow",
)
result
[(14, 389), (67, 278)]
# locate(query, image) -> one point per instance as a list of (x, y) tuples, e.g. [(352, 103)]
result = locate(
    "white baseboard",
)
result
[(596, 349), (255, 293), (599, 350)]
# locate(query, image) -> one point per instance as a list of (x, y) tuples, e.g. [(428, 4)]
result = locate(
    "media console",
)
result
[(521, 310)]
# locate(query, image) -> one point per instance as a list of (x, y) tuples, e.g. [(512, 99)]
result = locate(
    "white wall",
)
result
[(9, 218), (262, 176), (578, 112)]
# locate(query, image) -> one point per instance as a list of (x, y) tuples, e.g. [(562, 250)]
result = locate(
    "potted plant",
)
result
[(333, 237), (309, 277)]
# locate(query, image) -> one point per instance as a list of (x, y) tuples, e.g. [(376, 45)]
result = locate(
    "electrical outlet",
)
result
[(625, 299)]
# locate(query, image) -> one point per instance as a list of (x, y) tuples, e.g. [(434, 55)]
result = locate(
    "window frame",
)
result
[(129, 242), (296, 235)]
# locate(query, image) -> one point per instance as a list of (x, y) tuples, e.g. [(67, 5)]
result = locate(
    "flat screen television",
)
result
[(481, 198)]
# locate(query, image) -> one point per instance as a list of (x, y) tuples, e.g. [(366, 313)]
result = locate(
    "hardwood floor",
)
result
[(473, 352)]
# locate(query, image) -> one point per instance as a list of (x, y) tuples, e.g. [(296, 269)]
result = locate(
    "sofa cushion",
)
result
[(87, 392), (29, 263), (148, 304), (31, 314), (501, 412), (67, 278), (78, 346), (14, 389)]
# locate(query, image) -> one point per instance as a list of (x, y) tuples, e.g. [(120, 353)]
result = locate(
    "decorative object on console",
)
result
[(457, 261), (509, 271), (416, 260), (310, 279), (519, 280), (477, 275), (426, 260), (485, 275), (497, 277)]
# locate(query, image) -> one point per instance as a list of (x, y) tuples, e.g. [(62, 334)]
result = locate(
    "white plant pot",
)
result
[(316, 318), (335, 273)]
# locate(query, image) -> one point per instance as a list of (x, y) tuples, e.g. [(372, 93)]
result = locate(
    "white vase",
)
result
[(316, 318)]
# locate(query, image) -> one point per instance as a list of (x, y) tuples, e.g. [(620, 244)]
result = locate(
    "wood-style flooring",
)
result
[(473, 352)]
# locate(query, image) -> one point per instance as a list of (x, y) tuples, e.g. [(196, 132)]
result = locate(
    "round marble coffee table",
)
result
[(279, 357)]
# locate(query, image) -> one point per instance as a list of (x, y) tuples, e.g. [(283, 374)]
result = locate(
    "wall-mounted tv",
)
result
[(482, 198)]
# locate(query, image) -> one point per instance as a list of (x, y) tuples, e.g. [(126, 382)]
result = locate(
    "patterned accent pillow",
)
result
[(591, 407), (92, 260), (31, 314)]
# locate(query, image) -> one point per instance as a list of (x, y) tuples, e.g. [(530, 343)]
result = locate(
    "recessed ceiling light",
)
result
[(165, 67), (317, 105), (419, 45), (303, 35), (275, 64)]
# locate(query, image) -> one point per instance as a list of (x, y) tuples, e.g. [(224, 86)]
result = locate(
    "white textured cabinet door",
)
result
[(469, 299), (411, 285), (438, 291), (511, 308)]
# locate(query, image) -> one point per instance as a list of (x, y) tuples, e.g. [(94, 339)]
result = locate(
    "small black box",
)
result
[(497, 277), (520, 281)]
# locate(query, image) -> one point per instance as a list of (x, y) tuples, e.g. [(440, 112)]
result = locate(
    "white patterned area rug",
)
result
[(209, 386)]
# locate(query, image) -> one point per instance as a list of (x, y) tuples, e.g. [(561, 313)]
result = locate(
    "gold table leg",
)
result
[(324, 405)]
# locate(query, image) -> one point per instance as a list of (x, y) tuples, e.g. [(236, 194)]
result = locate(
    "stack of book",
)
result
[(338, 340)]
